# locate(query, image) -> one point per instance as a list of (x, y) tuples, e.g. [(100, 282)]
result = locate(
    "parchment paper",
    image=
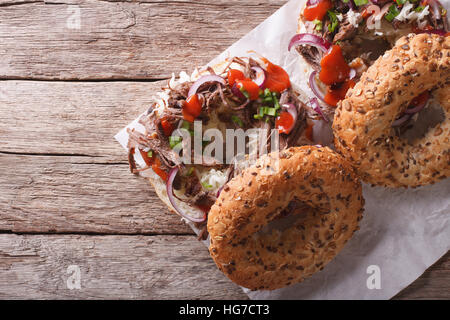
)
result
[(403, 231)]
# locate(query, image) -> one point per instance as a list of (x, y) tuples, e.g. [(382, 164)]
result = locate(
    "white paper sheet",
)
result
[(403, 231)]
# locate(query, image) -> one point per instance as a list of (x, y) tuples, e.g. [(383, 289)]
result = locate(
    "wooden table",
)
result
[(72, 74)]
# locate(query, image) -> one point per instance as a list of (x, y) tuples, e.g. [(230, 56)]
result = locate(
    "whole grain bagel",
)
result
[(331, 207), (363, 121)]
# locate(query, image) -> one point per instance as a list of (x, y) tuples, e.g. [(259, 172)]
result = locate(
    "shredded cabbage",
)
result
[(213, 179), (407, 13), (353, 17)]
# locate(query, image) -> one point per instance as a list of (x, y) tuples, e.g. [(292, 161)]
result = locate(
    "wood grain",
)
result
[(76, 195), (70, 118), (62, 169), (138, 267), (120, 40), (434, 283), (112, 267)]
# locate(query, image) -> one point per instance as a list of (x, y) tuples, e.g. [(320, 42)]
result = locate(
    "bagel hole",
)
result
[(421, 122), (294, 212)]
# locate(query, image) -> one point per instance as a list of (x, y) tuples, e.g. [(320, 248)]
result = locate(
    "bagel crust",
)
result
[(333, 206), (363, 121)]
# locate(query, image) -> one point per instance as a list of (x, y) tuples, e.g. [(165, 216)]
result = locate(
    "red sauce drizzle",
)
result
[(154, 163), (192, 108), (334, 67), (317, 11), (250, 87), (277, 79), (234, 75), (284, 122), (336, 94)]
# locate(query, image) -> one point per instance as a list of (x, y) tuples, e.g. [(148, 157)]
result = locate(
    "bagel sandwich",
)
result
[(341, 39), (240, 93)]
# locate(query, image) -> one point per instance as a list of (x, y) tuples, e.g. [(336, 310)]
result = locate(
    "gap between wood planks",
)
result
[(82, 80), (75, 233)]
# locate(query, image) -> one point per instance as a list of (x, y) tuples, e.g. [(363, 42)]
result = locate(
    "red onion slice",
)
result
[(260, 78), (417, 108), (311, 40), (219, 191), (440, 32), (379, 2), (314, 87), (316, 106), (171, 196), (289, 107), (203, 80), (401, 120), (238, 93)]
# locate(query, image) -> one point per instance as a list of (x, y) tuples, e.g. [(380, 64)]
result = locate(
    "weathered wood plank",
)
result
[(138, 267), (433, 284), (90, 39), (90, 191), (111, 267), (79, 118), (74, 195)]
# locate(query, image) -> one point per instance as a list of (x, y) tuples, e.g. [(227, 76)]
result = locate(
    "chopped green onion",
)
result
[(263, 110), (266, 96), (245, 93), (150, 154), (318, 25), (189, 171), (419, 9), (186, 125), (271, 111), (272, 99), (260, 113), (206, 185), (174, 141), (392, 13), (334, 20), (360, 2), (237, 120), (276, 103)]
